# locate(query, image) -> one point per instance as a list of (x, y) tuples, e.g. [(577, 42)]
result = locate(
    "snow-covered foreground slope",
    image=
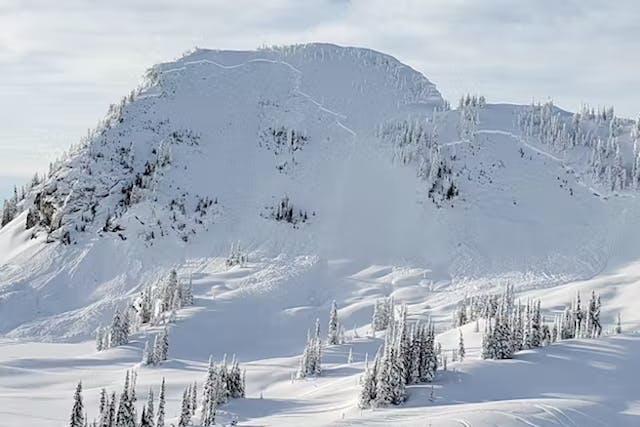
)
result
[(391, 194), (248, 312)]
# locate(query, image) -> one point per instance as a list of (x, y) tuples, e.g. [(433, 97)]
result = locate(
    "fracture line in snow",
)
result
[(541, 152), (270, 61)]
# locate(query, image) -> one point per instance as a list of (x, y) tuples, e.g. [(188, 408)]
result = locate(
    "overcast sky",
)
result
[(62, 62)]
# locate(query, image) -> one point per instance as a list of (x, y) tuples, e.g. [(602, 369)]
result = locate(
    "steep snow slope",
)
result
[(208, 147), (363, 148)]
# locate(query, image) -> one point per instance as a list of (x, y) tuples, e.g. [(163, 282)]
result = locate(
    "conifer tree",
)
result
[(77, 412), (148, 355), (144, 419), (110, 420), (161, 403), (99, 339), (161, 346), (333, 330), (488, 345), (194, 397), (185, 412), (593, 316), (125, 416), (368, 390), (210, 396), (461, 350), (310, 362), (146, 307), (536, 326), (148, 411), (104, 406), (384, 388)]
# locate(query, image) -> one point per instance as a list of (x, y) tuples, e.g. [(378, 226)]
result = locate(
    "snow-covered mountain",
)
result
[(342, 174)]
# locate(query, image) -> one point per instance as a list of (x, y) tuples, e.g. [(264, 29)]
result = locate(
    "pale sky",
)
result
[(63, 62)]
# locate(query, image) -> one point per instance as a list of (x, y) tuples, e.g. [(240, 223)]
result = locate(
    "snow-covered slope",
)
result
[(343, 175)]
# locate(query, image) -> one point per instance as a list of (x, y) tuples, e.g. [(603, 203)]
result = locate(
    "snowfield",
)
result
[(392, 194)]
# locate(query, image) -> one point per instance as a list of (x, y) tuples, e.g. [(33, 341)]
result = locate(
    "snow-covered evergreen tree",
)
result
[(333, 334), (125, 416), (593, 316), (149, 411), (536, 326), (210, 395), (103, 406), (110, 419), (368, 390), (185, 411), (77, 418), (488, 342), (161, 347), (461, 350), (148, 355), (100, 338), (161, 403), (310, 362), (144, 419), (194, 397), (119, 331)]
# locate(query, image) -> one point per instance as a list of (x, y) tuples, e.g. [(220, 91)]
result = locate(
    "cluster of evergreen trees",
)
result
[(469, 106), (236, 256), (514, 327), (578, 321), (281, 140), (383, 314), (11, 207), (221, 384), (511, 326), (160, 351), (598, 131), (412, 142), (149, 308), (120, 412), (416, 142), (409, 356), (607, 167), (189, 404), (311, 361), (284, 143), (117, 333), (285, 212), (480, 306)]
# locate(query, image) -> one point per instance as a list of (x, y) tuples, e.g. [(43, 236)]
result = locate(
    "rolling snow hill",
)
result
[(343, 175)]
